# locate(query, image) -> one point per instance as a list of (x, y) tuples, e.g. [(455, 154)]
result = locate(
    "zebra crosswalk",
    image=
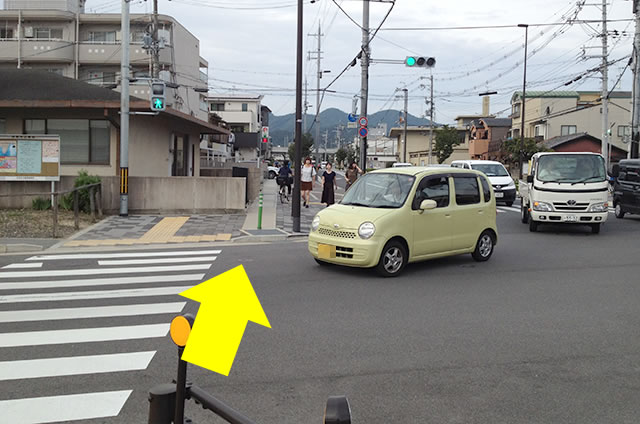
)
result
[(87, 316)]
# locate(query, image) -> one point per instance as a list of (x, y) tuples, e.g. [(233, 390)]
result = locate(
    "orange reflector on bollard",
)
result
[(179, 330)]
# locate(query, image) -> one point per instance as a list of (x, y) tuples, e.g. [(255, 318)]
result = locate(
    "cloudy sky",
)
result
[(250, 46)]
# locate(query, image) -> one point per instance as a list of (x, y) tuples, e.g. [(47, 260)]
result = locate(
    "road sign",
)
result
[(351, 117), (363, 131), (363, 121), (352, 124)]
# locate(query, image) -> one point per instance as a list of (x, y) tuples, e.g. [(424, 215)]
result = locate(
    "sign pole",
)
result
[(124, 112)]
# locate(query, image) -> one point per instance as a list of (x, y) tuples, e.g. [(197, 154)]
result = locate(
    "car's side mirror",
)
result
[(428, 204), (530, 178), (615, 171)]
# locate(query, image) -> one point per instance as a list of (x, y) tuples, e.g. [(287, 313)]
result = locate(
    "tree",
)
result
[(352, 154), (341, 155), (511, 147), (446, 139), (307, 145)]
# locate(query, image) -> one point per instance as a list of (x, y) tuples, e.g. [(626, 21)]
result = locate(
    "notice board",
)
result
[(29, 158)]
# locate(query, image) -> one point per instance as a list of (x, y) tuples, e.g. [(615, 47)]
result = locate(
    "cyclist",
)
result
[(284, 177)]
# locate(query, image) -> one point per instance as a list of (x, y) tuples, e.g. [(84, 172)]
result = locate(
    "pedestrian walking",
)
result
[(306, 180), (352, 174), (329, 185)]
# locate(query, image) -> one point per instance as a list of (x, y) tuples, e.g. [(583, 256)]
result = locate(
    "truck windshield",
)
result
[(491, 169), (571, 168), (379, 190)]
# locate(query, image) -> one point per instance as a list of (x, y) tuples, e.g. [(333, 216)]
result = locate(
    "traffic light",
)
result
[(419, 61), (157, 96), (265, 134)]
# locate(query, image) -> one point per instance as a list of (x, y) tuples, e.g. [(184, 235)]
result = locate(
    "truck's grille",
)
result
[(338, 234), (575, 207)]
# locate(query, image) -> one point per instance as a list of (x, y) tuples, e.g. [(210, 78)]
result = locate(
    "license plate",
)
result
[(570, 218), (499, 194), (326, 251)]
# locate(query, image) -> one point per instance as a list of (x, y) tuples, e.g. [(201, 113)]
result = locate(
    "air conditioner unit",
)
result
[(28, 32)]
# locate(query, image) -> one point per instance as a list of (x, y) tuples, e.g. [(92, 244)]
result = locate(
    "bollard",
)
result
[(260, 212), (162, 404)]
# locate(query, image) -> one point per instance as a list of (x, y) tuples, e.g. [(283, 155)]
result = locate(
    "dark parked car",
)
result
[(626, 188)]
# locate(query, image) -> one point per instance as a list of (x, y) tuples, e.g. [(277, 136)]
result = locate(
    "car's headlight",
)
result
[(315, 223), (366, 230), (599, 207), (542, 207), (511, 186)]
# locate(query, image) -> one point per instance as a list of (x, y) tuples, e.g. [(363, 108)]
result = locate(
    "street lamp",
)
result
[(524, 91)]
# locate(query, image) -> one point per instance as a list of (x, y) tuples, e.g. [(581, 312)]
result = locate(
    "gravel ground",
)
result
[(27, 223)]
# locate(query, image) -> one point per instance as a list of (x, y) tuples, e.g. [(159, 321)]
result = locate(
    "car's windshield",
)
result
[(379, 190), (571, 168), (491, 169)]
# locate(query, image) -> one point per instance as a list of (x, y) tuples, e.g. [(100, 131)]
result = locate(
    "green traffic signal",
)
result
[(410, 61), (157, 104)]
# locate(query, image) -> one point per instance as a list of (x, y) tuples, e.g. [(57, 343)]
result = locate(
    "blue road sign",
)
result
[(363, 131), (351, 117)]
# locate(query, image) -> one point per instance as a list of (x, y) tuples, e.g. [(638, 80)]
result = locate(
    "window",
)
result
[(568, 129), (379, 190), (467, 191), (102, 36), (101, 77), (624, 130), (486, 189), (539, 130), (245, 107), (237, 128), (633, 176), (516, 109), (516, 133), (6, 32), (217, 107), (433, 188), (81, 140), (48, 33)]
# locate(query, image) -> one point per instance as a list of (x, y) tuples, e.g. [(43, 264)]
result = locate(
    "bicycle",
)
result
[(284, 196)]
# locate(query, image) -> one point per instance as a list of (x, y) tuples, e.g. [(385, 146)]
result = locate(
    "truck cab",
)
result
[(565, 188)]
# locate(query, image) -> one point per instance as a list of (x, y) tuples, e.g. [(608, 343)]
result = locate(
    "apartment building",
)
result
[(418, 144), (245, 116), (559, 113), (57, 36)]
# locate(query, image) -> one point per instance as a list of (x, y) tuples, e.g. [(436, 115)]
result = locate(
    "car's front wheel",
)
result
[(272, 175), (392, 260), (619, 211), (484, 247), (524, 213), (533, 225)]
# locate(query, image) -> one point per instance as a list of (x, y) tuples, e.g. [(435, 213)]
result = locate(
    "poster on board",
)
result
[(29, 158)]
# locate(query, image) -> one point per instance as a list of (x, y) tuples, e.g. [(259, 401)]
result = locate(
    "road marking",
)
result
[(500, 211), (91, 312), (94, 294), (27, 265), (52, 409), (75, 365), (509, 209), (100, 271), (157, 261), (83, 335), (124, 255), (102, 281)]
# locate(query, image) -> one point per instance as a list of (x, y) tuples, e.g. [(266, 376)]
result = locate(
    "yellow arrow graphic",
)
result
[(227, 303)]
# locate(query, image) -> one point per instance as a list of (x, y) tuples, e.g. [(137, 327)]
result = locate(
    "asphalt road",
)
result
[(545, 332)]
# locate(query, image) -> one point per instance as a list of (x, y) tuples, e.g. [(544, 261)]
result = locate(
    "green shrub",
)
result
[(82, 179), (40, 204)]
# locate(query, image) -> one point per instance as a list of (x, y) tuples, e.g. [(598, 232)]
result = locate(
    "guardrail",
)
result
[(166, 401), (95, 203)]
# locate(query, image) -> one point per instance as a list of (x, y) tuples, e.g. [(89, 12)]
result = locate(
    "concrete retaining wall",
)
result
[(147, 194), (256, 176)]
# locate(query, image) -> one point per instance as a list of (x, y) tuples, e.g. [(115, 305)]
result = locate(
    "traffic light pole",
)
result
[(365, 78), (295, 205), (406, 116), (431, 123), (635, 117), (124, 112)]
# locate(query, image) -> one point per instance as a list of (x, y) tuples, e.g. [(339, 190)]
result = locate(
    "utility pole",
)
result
[(431, 122), (365, 78), (524, 97), (295, 203), (124, 112), (326, 138), (406, 118), (156, 44), (318, 52), (605, 88), (306, 106), (635, 117)]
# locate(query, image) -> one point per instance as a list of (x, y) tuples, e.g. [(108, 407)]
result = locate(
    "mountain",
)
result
[(281, 128)]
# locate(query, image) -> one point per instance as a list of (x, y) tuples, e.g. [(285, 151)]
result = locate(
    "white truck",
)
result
[(568, 188)]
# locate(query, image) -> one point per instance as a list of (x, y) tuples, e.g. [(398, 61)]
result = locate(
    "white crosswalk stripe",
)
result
[(80, 292)]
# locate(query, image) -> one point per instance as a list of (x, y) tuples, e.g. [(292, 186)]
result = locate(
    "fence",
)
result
[(95, 203)]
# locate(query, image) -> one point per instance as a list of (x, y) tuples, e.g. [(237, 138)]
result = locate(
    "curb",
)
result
[(260, 239), (19, 248)]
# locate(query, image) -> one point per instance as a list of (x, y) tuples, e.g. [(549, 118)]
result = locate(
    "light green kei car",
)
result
[(391, 217)]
